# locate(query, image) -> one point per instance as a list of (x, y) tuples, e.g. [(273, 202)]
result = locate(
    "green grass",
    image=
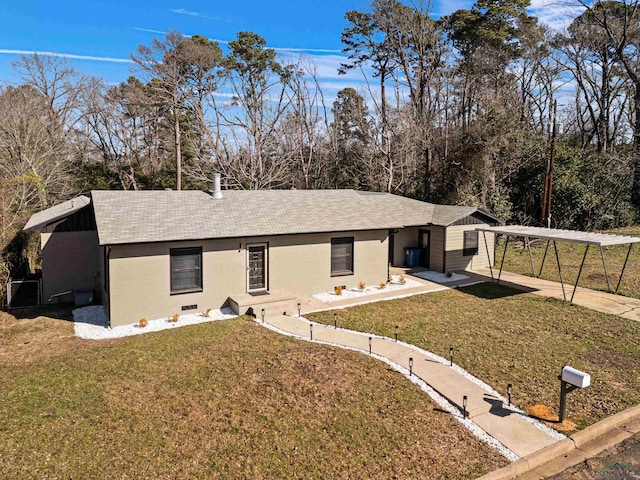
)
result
[(517, 260), (221, 400), (504, 336)]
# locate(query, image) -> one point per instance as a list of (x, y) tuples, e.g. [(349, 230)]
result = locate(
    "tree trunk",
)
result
[(635, 189), (176, 127)]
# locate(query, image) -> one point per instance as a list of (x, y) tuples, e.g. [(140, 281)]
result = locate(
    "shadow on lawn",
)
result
[(492, 291), (58, 312)]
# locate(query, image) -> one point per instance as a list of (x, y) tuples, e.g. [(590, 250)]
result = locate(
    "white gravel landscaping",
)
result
[(349, 293), (91, 323), (439, 277)]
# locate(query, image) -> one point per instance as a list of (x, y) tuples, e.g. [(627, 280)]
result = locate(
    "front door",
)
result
[(257, 267), (424, 242)]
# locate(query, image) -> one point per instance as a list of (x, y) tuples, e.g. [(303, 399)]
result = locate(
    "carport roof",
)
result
[(588, 238)]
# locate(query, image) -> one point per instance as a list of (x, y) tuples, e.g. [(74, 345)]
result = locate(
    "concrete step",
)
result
[(273, 303)]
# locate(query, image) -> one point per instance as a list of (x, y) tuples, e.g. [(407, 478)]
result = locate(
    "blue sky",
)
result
[(107, 32)]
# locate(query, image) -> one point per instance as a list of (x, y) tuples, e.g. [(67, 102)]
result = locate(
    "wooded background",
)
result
[(454, 110)]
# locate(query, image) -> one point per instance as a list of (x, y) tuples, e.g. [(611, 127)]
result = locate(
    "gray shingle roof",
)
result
[(55, 213), (152, 216)]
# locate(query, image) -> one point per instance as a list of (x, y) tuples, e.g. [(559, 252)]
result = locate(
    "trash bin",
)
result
[(83, 297), (412, 257)]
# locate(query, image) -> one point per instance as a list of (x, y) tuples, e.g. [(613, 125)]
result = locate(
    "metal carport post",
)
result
[(553, 235)]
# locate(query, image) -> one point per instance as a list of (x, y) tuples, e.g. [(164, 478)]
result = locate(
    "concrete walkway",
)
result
[(595, 300), (519, 434)]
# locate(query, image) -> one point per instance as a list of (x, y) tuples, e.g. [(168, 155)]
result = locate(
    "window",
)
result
[(470, 243), (186, 270), (341, 256)]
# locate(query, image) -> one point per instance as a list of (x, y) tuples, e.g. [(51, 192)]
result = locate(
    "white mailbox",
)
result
[(575, 377)]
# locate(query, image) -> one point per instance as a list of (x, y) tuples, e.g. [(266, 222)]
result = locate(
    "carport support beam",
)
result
[(575, 287), (533, 270), (624, 266), (504, 253), (544, 257), (555, 247), (604, 265), (486, 245)]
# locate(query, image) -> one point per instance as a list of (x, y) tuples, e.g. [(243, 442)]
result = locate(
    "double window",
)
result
[(186, 270), (470, 246), (341, 256)]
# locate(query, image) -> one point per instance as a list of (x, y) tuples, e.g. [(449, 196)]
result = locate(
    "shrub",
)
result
[(143, 322), (361, 286), (338, 290), (174, 318), (382, 285), (207, 312), (402, 279)]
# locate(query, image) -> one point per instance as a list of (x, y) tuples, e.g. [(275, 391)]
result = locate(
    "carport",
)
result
[(552, 236)]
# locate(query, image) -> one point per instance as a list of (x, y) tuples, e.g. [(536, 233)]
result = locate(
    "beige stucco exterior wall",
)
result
[(70, 261), (454, 247), (300, 264)]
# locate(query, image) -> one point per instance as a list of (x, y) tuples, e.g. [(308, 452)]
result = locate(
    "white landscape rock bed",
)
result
[(439, 277), (91, 323), (393, 286)]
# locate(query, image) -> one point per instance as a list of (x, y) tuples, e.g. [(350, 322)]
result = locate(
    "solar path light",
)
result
[(451, 356), (396, 333), (464, 407), (262, 315), (335, 320), (570, 379), (370, 342), (311, 331), (299, 311), (509, 393), (410, 366)]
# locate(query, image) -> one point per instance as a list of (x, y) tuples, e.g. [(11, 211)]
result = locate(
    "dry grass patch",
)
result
[(517, 261), (224, 400), (36, 334), (504, 336)]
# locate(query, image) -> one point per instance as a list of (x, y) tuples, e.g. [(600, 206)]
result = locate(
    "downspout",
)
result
[(444, 250), (107, 281)]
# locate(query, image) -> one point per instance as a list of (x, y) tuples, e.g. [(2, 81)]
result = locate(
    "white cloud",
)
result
[(73, 56), (555, 14), (184, 11)]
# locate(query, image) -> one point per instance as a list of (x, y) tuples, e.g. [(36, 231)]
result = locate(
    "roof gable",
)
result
[(50, 215)]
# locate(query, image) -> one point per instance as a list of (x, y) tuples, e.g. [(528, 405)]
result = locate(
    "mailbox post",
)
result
[(570, 379)]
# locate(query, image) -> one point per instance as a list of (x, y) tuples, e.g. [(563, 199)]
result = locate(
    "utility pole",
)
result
[(545, 211)]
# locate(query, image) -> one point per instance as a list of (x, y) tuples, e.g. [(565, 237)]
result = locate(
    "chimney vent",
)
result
[(217, 189)]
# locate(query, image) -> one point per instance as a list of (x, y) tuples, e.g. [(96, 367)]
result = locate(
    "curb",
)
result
[(570, 446)]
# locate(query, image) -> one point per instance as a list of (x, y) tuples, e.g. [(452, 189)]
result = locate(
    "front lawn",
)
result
[(227, 399), (505, 336)]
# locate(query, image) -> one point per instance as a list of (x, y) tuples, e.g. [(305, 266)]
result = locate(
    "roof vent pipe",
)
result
[(217, 189)]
